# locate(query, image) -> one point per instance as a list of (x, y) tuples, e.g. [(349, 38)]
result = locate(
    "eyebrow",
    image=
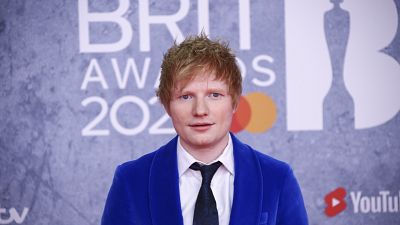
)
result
[(184, 91), (217, 90)]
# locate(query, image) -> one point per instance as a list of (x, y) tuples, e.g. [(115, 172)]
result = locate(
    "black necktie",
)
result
[(205, 211)]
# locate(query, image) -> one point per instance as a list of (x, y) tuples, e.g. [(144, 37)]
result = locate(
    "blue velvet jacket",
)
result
[(146, 191)]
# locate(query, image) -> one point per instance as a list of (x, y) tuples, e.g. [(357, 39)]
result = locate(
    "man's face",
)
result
[(201, 112)]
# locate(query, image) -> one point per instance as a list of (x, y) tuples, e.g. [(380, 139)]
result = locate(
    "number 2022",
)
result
[(91, 130)]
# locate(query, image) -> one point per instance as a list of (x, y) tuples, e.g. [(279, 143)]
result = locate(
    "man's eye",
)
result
[(215, 95), (185, 97)]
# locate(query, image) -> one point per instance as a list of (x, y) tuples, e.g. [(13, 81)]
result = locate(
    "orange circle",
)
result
[(242, 115), (263, 112)]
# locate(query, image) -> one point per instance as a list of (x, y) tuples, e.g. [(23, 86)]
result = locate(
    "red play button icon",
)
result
[(335, 202)]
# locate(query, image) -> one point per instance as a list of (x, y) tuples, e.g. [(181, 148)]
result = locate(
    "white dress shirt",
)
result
[(221, 183)]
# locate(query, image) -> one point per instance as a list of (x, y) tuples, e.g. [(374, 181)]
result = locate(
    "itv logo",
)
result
[(12, 215)]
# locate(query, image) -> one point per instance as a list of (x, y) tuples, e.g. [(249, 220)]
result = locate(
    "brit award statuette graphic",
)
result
[(338, 104)]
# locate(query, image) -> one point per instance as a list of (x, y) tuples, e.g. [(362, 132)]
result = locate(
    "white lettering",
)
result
[(18, 218), (145, 112), (170, 21), (384, 195), (365, 205), (131, 66), (6, 221), (375, 97), (14, 216), (244, 24), (89, 129), (305, 42), (382, 203), (118, 17), (270, 73), (203, 14), (86, 17), (393, 204), (94, 66), (242, 67), (158, 127), (376, 204), (356, 200)]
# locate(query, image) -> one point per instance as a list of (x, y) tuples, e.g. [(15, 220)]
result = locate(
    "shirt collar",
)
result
[(185, 159)]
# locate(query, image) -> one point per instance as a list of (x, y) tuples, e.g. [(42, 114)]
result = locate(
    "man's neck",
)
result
[(209, 153)]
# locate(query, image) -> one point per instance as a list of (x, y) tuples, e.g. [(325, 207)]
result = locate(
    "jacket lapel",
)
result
[(247, 196), (164, 197), (164, 186)]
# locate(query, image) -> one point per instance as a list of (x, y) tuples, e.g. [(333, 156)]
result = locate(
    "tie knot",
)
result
[(207, 171)]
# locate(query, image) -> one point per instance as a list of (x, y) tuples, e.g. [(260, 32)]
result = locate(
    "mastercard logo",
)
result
[(255, 113)]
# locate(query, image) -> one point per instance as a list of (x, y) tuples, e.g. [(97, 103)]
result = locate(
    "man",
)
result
[(205, 175)]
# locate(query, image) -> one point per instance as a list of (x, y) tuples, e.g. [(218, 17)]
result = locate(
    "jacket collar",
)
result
[(164, 186), (248, 186), (165, 207)]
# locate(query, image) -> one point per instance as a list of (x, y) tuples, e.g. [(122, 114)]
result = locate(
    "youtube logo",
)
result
[(335, 202)]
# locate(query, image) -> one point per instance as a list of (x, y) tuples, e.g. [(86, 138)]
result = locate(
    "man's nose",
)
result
[(200, 107)]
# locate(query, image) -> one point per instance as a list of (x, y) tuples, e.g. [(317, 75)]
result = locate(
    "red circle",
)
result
[(242, 115)]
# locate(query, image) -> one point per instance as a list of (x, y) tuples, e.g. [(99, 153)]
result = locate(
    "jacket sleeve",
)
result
[(291, 209), (117, 209)]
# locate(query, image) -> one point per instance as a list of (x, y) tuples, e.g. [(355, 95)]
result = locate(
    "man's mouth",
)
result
[(201, 125)]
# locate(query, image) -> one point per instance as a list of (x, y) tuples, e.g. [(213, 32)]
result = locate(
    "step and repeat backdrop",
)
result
[(77, 98)]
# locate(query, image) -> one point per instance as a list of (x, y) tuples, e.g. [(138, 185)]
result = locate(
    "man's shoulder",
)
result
[(271, 162), (142, 164), (274, 172), (137, 164), (267, 163)]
